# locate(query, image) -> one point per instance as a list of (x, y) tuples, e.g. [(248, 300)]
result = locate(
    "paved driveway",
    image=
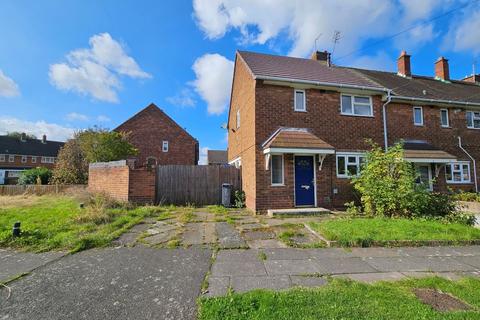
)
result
[(123, 283)]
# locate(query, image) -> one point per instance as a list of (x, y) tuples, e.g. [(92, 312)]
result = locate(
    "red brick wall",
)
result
[(122, 183), (147, 131)]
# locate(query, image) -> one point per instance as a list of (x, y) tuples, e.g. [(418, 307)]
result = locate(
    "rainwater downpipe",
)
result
[(384, 110), (473, 160)]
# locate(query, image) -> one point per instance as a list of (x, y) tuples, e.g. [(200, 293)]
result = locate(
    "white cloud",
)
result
[(95, 71), (203, 155), (8, 87), (302, 21), (102, 118), (464, 33), (74, 116), (38, 128), (379, 61), (213, 81), (183, 99)]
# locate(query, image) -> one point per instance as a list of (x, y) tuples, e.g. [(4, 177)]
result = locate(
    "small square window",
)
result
[(24, 159), (418, 116), (165, 146), (2, 158), (300, 103), (444, 121), (34, 159), (356, 105), (473, 120), (11, 158)]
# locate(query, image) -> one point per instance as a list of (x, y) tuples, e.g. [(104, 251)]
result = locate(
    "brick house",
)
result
[(159, 139), (297, 127), (22, 153)]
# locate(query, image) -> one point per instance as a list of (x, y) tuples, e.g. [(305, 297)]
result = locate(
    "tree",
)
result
[(18, 135), (71, 166), (38, 175)]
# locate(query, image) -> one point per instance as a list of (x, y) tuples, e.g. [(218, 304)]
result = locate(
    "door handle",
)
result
[(306, 187)]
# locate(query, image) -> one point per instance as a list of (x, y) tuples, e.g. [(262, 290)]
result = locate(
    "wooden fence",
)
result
[(13, 190), (198, 185)]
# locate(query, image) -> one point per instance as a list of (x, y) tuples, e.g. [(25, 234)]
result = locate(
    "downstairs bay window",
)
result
[(349, 165), (457, 172)]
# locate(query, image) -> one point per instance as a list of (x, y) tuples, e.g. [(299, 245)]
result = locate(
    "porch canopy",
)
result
[(422, 152)]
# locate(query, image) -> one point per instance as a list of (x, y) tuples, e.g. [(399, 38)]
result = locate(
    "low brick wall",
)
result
[(121, 182)]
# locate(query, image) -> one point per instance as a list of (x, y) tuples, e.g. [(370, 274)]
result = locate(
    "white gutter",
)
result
[(320, 83), (437, 101), (473, 160), (384, 110)]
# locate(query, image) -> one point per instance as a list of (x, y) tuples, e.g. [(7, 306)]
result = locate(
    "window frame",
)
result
[(165, 143), (237, 124), (352, 105), (24, 159), (48, 160), (34, 159), (357, 163), (448, 118), (452, 180), (295, 100), (2, 158), (11, 158), (473, 119), (422, 123), (277, 184)]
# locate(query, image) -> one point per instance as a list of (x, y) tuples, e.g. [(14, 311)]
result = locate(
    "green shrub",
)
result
[(460, 217), (239, 199), (466, 196), (35, 176)]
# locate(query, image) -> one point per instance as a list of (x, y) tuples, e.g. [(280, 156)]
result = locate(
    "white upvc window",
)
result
[(24, 159), (300, 102), (457, 172), (473, 119), (418, 116), (276, 165), (11, 158), (444, 120), (2, 158), (48, 160), (165, 146), (34, 159), (349, 165), (238, 119), (356, 105)]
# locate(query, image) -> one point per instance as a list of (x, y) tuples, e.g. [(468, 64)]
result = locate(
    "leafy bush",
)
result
[(239, 198), (466, 196), (35, 176), (460, 217)]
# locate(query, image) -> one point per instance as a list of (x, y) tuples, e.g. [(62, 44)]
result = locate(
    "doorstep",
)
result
[(297, 211)]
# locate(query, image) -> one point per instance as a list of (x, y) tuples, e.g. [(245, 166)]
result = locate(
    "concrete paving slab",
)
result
[(266, 244), (327, 253), (344, 265), (308, 282), (291, 267), (159, 238), (251, 226), (243, 284), (418, 264), (14, 263), (229, 237), (237, 255), (376, 252), (446, 251), (471, 261), (287, 254), (258, 235), (374, 277), (112, 284), (199, 233), (217, 286), (126, 239), (235, 268)]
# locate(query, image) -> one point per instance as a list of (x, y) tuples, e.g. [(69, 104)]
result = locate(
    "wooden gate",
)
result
[(197, 185)]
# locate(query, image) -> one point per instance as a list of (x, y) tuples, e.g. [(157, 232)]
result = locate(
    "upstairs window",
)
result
[(165, 146), (349, 165), (418, 116), (34, 159), (24, 159), (2, 158), (11, 158), (238, 119), (444, 121), (457, 172), (356, 105), (48, 160), (473, 120), (276, 166), (300, 103)]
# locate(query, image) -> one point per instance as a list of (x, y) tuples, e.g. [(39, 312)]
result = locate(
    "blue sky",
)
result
[(70, 65)]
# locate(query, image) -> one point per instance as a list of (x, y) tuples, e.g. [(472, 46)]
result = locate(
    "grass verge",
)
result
[(364, 231), (343, 299)]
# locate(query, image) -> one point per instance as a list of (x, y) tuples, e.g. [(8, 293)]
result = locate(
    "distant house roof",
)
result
[(421, 151), (298, 138), (217, 157), (30, 147)]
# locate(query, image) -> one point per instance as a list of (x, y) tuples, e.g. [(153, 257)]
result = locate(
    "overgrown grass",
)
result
[(343, 299), (363, 231), (58, 223)]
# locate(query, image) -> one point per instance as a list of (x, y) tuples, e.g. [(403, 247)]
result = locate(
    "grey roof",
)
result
[(266, 65), (30, 147), (217, 157)]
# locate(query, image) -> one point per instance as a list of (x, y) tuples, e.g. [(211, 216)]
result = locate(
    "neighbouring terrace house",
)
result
[(298, 127), (22, 153), (159, 139)]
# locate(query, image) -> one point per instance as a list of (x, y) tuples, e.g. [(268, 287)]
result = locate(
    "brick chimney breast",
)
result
[(322, 56), (474, 78), (403, 64), (441, 69)]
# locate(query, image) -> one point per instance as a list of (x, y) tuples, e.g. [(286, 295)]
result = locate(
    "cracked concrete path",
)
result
[(112, 283), (277, 269)]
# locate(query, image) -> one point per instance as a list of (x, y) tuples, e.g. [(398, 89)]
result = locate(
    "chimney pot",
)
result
[(442, 70), (322, 56), (403, 64), (44, 139)]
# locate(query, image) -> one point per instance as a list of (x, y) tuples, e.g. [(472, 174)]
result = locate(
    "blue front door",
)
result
[(304, 181)]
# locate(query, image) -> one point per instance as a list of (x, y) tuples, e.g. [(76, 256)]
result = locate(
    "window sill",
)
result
[(418, 125), (355, 115), (278, 185), (446, 127), (459, 182), (304, 111), (473, 128)]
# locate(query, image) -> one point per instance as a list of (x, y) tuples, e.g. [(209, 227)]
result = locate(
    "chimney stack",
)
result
[(474, 78), (323, 57), (441, 69), (403, 64), (44, 139), (23, 137)]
